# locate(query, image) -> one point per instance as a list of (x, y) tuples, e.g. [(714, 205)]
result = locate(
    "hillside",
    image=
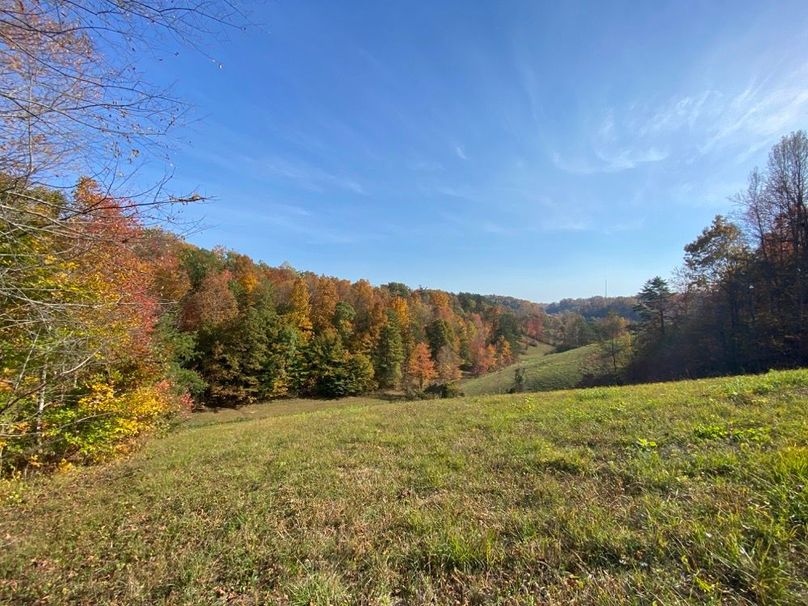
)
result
[(691, 492), (544, 371), (596, 307)]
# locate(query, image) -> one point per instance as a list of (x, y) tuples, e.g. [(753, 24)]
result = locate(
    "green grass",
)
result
[(681, 493), (544, 371)]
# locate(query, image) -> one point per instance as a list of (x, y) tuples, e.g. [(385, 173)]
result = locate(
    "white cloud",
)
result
[(310, 177), (612, 148), (608, 161), (461, 153), (735, 123), (757, 115), (677, 114)]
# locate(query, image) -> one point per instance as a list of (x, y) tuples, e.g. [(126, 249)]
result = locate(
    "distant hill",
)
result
[(593, 308), (544, 371), (511, 303)]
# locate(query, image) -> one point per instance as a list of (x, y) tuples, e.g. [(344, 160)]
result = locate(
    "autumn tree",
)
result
[(75, 295), (324, 304), (74, 97), (477, 334), (504, 352), (775, 211), (369, 318), (420, 368), (716, 253), (441, 305), (402, 310), (212, 304), (299, 313), (716, 274), (486, 359), (447, 365), (76, 334), (534, 325)]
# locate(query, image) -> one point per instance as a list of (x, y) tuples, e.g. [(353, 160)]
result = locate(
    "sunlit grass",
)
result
[(691, 492)]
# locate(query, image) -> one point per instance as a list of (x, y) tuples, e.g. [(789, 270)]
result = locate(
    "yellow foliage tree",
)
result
[(300, 308)]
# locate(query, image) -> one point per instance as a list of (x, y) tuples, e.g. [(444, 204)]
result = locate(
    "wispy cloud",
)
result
[(461, 192), (288, 219), (427, 166), (756, 115), (461, 153), (309, 177), (608, 162), (310, 232), (611, 149), (737, 123), (679, 113), (303, 174)]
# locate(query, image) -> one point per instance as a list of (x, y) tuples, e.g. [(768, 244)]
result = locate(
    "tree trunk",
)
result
[(40, 408)]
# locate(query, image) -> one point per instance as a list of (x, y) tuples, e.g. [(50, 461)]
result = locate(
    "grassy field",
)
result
[(692, 492), (544, 371)]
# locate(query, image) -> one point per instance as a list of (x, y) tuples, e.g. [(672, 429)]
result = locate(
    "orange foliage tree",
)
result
[(420, 368)]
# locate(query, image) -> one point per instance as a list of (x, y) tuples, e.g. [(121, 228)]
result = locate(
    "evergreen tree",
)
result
[(439, 334), (654, 305), (389, 353)]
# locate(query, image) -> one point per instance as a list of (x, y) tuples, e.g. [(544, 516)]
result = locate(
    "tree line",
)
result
[(739, 303), (262, 332)]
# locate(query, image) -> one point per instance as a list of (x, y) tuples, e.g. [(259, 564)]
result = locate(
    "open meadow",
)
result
[(691, 492)]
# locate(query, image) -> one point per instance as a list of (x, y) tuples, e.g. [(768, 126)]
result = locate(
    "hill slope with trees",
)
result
[(542, 369)]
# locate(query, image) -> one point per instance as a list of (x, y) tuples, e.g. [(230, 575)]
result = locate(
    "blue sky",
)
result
[(523, 148)]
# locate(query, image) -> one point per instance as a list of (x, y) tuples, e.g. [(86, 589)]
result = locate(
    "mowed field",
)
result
[(544, 371), (680, 493)]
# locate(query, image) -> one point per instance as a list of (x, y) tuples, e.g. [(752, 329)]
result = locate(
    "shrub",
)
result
[(102, 422), (443, 390)]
